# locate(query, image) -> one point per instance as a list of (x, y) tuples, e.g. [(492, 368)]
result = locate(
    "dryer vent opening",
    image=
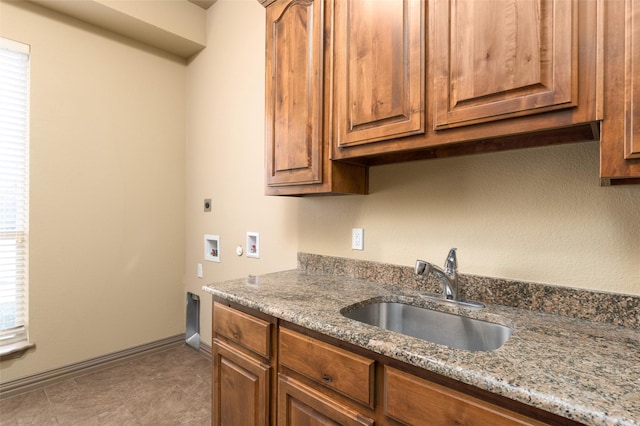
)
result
[(193, 321)]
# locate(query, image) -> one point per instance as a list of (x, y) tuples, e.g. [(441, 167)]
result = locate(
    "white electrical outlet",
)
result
[(357, 239)]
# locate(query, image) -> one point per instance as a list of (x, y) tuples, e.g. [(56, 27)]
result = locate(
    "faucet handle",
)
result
[(451, 263), (422, 267)]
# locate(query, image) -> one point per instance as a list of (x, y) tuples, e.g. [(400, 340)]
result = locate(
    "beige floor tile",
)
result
[(168, 388), (30, 408)]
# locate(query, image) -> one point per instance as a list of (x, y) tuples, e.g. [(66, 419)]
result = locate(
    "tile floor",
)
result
[(167, 388)]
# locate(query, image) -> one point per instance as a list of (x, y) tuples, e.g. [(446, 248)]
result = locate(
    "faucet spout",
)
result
[(451, 272), (447, 276)]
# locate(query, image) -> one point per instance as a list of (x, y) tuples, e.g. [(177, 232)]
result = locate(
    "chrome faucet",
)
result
[(448, 276)]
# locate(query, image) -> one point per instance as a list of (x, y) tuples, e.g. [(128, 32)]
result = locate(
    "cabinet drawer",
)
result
[(414, 401), (345, 372), (249, 332)]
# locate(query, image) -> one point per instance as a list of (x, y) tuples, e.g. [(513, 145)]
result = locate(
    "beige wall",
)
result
[(225, 155), (535, 215), (107, 190)]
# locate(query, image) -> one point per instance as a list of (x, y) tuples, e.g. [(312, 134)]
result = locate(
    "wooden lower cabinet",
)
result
[(240, 388), (346, 373), (300, 405), (243, 367), (250, 333), (416, 401), (295, 377)]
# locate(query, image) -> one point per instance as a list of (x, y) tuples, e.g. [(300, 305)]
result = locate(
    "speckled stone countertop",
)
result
[(583, 370)]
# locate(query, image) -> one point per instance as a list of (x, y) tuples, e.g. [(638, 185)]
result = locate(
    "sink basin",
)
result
[(444, 328)]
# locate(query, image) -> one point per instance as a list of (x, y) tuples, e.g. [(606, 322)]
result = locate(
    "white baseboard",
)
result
[(28, 383)]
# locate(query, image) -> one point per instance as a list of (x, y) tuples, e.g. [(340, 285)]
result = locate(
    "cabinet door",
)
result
[(294, 103), (620, 129), (379, 70), (495, 59), (240, 394), (299, 405), (632, 80)]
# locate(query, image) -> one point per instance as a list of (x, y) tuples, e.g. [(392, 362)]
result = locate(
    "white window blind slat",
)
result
[(14, 189)]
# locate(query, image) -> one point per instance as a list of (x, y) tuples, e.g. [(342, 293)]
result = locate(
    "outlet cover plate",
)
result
[(357, 239)]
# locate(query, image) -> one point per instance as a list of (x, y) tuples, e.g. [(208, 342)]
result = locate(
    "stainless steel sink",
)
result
[(444, 328)]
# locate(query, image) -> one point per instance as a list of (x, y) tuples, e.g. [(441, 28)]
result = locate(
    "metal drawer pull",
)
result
[(326, 378)]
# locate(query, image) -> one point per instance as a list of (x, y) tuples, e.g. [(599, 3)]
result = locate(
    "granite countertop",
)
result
[(582, 370)]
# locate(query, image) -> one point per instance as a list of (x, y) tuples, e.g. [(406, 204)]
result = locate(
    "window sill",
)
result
[(15, 350)]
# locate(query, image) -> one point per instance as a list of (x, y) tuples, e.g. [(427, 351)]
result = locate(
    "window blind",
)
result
[(14, 189)]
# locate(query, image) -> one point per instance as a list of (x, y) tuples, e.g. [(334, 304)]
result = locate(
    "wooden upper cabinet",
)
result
[(379, 70), (632, 79), (298, 56), (497, 59), (356, 83), (620, 129), (494, 75), (294, 47)]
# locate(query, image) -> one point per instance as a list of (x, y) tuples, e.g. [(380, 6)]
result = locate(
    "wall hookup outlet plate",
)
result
[(212, 248), (253, 244)]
